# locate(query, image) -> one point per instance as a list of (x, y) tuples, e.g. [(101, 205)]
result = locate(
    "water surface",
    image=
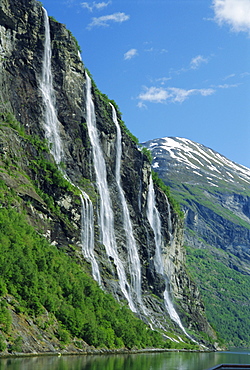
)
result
[(144, 361)]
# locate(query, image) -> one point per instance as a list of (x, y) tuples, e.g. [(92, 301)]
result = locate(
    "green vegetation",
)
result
[(106, 102), (225, 293), (53, 19), (166, 189), (147, 153), (70, 33), (8, 118), (75, 41), (41, 277), (122, 124)]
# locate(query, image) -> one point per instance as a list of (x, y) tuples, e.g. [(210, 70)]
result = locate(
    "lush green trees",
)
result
[(41, 277)]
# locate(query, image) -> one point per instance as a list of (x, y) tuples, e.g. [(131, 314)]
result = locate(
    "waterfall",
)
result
[(52, 134), (106, 217), (133, 256), (87, 235), (168, 264), (155, 222), (51, 123)]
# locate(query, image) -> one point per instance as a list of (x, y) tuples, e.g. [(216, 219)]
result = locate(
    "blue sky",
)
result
[(174, 67)]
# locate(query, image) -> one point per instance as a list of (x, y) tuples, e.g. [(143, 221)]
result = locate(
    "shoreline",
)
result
[(100, 352)]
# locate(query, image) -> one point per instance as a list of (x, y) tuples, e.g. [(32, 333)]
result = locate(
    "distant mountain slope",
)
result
[(214, 193)]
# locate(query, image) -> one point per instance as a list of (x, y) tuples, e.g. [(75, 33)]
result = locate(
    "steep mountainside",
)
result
[(215, 196), (71, 171)]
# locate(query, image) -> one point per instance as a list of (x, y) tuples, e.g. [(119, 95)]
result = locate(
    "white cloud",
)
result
[(130, 54), (102, 5), (170, 94), (197, 61), (154, 95), (244, 74), (94, 5), (235, 13), (229, 76), (163, 80), (104, 20), (142, 105), (180, 95), (228, 86), (157, 51)]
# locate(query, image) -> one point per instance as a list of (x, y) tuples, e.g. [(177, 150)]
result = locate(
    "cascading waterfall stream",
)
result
[(87, 235), (51, 123), (106, 217), (133, 256), (155, 222), (168, 267), (52, 133)]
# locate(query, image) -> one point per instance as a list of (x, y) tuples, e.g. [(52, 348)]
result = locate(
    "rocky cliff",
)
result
[(215, 194), (49, 161)]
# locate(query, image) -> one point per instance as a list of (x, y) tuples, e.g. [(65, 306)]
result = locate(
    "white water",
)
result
[(52, 134), (87, 235), (155, 222), (51, 123), (133, 256), (106, 217)]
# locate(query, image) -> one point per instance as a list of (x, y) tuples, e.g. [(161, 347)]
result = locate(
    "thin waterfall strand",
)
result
[(87, 235), (155, 222), (52, 134), (133, 256), (51, 123), (106, 217)]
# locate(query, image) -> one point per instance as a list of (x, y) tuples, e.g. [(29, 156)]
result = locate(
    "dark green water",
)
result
[(146, 361)]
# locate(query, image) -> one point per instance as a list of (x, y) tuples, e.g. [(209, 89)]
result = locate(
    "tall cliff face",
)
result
[(51, 193)]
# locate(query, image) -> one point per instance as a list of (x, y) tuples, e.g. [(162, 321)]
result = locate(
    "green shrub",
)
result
[(63, 336), (5, 317), (17, 345), (166, 189), (2, 343)]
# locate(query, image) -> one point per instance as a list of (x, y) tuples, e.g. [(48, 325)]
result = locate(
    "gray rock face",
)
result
[(22, 34), (214, 193)]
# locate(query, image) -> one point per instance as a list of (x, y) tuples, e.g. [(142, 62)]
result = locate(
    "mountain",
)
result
[(214, 194), (91, 248)]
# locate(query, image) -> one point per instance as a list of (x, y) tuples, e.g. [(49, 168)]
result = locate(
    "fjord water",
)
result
[(143, 361)]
